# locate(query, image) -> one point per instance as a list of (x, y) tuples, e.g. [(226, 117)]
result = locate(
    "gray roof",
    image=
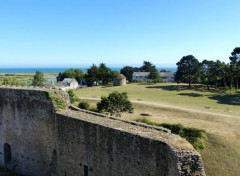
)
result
[(68, 80), (62, 84), (143, 74), (166, 74)]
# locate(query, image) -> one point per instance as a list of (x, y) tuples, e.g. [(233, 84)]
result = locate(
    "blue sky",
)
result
[(74, 33)]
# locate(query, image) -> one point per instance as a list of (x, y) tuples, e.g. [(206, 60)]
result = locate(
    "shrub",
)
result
[(72, 96), (59, 102), (195, 136), (84, 105), (115, 104)]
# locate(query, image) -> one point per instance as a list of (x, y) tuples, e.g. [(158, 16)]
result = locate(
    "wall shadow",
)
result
[(229, 99)]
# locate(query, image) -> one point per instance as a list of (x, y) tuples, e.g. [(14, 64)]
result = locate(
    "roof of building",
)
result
[(68, 80), (62, 84), (143, 74), (120, 76), (167, 74)]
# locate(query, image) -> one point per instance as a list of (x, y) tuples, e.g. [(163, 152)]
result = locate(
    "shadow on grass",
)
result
[(200, 88), (107, 86), (230, 99), (191, 94)]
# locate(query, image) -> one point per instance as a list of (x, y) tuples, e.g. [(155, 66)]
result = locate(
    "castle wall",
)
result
[(71, 143)]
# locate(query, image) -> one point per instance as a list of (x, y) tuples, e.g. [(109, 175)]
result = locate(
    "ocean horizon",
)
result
[(58, 70)]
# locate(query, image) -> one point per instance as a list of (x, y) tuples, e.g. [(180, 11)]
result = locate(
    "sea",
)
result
[(58, 70)]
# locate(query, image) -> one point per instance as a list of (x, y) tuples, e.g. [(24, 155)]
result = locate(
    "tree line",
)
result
[(103, 75), (209, 72)]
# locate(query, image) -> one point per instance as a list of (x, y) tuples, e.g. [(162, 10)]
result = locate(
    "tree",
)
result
[(71, 73), (235, 64), (187, 70), (147, 67), (215, 72), (38, 79), (105, 74), (101, 74), (155, 76), (92, 74), (205, 72), (128, 72), (115, 104)]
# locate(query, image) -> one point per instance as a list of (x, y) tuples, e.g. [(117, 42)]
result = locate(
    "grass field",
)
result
[(172, 103), (26, 76)]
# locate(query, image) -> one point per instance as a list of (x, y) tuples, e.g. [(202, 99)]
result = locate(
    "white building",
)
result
[(65, 85), (167, 76), (141, 76)]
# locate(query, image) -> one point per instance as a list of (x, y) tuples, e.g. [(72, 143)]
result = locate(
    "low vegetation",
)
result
[(72, 96), (195, 136), (84, 105)]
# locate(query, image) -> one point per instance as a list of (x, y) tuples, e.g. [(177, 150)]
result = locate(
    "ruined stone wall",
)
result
[(43, 141)]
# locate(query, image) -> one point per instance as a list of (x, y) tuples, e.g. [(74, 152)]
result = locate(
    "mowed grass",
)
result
[(221, 155), (173, 94)]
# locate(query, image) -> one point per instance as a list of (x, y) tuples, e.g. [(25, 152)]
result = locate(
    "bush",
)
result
[(84, 105), (59, 102), (193, 135), (72, 96), (115, 104)]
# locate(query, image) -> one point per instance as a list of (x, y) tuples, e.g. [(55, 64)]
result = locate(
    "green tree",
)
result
[(128, 72), (235, 63), (101, 75), (147, 67), (155, 76), (105, 74), (205, 72), (71, 73), (187, 70), (115, 104), (38, 79), (92, 74)]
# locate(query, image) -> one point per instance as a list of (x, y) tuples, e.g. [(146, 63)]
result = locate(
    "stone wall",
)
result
[(37, 140)]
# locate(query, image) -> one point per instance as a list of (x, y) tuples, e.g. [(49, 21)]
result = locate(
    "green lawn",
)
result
[(173, 94)]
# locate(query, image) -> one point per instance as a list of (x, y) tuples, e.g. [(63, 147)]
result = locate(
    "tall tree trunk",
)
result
[(225, 84), (215, 82), (236, 85), (189, 81)]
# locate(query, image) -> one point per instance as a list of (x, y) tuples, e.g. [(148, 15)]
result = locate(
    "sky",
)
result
[(79, 33)]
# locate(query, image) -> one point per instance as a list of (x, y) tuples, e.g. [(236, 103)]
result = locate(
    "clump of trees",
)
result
[(127, 71), (146, 67), (210, 73), (115, 104), (71, 73), (100, 75)]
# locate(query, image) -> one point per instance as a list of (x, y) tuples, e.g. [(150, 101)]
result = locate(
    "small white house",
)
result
[(67, 84), (167, 76), (141, 76)]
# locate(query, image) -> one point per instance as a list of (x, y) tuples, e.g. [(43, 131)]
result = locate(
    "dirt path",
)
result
[(162, 105)]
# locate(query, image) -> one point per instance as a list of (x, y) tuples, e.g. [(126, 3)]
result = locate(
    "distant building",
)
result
[(66, 84), (167, 76), (120, 80), (141, 76)]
